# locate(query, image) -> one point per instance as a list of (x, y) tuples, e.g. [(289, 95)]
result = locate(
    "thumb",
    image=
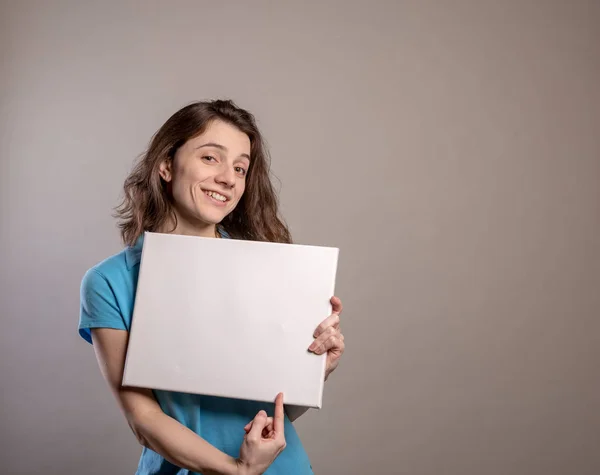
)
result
[(258, 424), (336, 305)]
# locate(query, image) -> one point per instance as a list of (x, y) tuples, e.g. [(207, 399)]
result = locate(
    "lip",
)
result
[(214, 201)]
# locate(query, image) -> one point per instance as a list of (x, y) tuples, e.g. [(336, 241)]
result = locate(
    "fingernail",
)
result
[(311, 347)]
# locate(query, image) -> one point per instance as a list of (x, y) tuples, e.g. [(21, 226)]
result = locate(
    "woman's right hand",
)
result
[(264, 441)]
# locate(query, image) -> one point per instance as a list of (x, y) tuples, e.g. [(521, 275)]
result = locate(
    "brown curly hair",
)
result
[(146, 204)]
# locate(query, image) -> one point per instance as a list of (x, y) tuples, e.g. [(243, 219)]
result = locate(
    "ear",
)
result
[(164, 170)]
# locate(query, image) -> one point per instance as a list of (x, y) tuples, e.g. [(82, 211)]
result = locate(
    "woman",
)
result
[(205, 174)]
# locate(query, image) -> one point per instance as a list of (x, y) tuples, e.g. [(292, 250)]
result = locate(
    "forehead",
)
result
[(222, 133)]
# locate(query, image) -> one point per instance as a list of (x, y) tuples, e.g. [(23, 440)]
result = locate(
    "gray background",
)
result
[(451, 149)]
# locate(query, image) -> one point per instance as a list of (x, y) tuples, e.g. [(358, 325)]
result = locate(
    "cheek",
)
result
[(241, 188), (182, 189), (187, 177)]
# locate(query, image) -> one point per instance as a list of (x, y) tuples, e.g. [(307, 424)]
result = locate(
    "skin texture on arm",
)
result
[(152, 427)]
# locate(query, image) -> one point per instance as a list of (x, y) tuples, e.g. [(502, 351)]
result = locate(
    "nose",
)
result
[(226, 176)]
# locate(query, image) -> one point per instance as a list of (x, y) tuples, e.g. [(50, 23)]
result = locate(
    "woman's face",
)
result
[(207, 177)]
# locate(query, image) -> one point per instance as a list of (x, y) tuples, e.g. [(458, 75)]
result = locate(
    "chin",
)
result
[(212, 216)]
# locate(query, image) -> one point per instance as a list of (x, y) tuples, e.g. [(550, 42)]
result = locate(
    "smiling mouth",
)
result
[(216, 196)]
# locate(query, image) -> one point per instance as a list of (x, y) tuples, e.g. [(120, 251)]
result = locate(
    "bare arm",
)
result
[(152, 427)]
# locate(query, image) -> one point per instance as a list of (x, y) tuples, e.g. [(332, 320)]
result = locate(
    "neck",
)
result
[(189, 229)]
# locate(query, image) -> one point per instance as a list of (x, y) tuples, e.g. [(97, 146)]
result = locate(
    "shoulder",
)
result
[(107, 270), (107, 294), (119, 268)]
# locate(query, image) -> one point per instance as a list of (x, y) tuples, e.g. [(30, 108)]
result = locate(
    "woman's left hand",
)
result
[(329, 338)]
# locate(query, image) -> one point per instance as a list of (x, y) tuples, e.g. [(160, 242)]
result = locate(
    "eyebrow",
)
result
[(220, 147)]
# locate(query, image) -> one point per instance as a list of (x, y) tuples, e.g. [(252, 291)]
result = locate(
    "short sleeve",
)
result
[(99, 307)]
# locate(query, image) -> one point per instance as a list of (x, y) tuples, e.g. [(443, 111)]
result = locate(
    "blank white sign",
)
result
[(230, 318)]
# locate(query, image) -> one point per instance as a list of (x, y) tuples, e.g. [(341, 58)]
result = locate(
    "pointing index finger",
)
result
[(278, 421)]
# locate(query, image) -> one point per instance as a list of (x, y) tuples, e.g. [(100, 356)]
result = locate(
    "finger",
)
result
[(269, 425), (332, 320), (336, 305), (332, 343), (278, 421), (267, 431), (322, 338), (258, 424)]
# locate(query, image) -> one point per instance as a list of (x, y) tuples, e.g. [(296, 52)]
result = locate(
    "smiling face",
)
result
[(207, 177)]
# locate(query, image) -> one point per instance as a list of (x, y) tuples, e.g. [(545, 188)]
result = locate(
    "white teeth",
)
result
[(216, 196)]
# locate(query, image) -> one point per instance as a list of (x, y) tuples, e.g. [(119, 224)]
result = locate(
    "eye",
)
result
[(209, 158), (242, 171)]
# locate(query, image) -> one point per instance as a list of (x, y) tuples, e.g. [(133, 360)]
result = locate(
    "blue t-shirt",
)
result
[(107, 298)]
